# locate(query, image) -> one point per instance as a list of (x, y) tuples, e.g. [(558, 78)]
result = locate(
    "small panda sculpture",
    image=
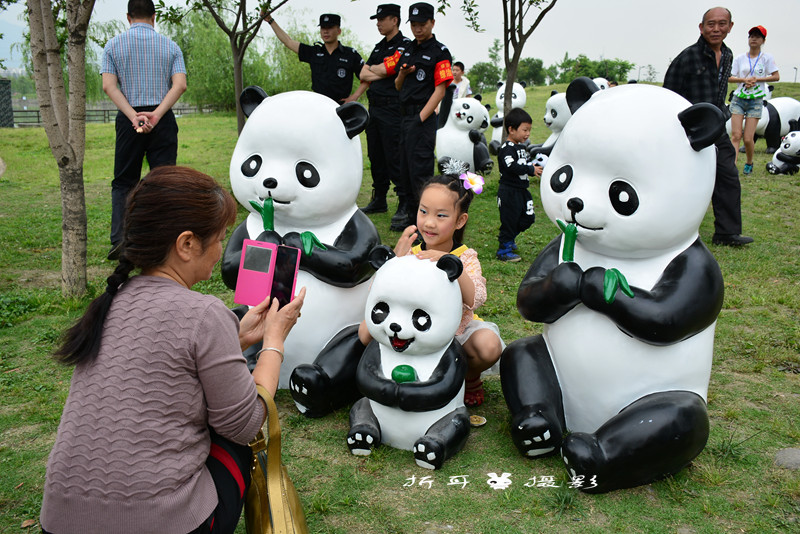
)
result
[(297, 169), (462, 123), (518, 100), (412, 373), (629, 295), (601, 83), (556, 115), (787, 159)]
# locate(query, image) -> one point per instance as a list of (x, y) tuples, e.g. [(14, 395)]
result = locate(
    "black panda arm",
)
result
[(684, 301), (786, 158), (346, 262), (550, 289), (444, 383), (229, 266)]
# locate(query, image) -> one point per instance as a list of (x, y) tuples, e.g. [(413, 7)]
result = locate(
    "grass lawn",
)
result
[(732, 486)]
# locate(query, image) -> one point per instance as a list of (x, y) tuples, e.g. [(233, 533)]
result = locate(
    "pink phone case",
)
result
[(256, 270), (284, 280)]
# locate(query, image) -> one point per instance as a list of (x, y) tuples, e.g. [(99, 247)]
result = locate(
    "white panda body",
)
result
[(518, 100), (452, 140), (400, 428), (601, 368), (608, 380)]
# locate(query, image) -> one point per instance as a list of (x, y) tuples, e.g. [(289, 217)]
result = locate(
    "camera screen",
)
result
[(257, 259)]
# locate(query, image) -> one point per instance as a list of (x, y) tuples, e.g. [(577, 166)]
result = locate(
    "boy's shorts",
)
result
[(749, 107)]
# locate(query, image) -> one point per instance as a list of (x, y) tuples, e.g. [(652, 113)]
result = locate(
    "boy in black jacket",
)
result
[(514, 201)]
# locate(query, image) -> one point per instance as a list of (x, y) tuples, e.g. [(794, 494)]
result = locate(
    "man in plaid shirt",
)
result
[(144, 75), (700, 74)]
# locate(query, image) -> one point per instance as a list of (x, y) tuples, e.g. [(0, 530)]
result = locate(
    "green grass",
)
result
[(754, 395)]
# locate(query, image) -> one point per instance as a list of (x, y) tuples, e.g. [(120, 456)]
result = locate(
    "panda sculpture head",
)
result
[(601, 83), (469, 114), (556, 112), (518, 96), (311, 172), (634, 169), (414, 305), (790, 144)]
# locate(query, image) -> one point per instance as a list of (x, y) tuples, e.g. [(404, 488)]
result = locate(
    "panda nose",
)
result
[(270, 183), (575, 204), (394, 327)]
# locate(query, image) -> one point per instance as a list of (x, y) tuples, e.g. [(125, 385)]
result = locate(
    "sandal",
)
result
[(474, 393)]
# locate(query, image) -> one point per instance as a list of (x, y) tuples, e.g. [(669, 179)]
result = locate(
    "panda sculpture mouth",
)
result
[(275, 200), (575, 221), (398, 344)]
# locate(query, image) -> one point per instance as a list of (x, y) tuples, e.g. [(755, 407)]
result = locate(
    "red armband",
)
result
[(391, 63), (443, 72)]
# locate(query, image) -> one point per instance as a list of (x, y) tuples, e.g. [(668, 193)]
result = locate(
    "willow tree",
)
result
[(63, 111)]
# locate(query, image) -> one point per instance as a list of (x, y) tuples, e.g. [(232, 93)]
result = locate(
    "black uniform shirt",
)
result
[(384, 88), (331, 74), (433, 62)]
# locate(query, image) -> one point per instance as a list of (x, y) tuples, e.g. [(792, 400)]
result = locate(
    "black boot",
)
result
[(377, 204), (403, 217)]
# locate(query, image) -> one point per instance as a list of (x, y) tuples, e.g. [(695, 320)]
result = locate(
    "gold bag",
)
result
[(272, 505)]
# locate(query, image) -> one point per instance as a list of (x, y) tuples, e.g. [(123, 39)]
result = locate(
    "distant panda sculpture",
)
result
[(462, 123), (786, 159), (629, 295), (412, 373), (297, 169), (556, 115), (518, 100), (601, 83), (783, 116)]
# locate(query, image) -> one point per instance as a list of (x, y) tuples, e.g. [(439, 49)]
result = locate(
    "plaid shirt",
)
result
[(144, 62), (694, 75)]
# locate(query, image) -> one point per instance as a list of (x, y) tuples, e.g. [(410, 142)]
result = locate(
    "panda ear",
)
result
[(477, 97), (250, 98), (499, 85), (553, 92), (354, 116), (703, 123), (579, 91), (523, 84), (451, 265), (380, 255)]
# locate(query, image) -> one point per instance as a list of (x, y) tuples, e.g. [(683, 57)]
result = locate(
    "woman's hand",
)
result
[(406, 241), (254, 325), (279, 323)]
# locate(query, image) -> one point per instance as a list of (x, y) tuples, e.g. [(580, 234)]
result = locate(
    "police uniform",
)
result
[(418, 139), (383, 132)]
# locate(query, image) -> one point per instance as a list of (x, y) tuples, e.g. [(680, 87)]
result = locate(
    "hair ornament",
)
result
[(472, 181)]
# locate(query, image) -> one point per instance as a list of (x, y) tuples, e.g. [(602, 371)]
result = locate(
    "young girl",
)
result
[(441, 219), (751, 71)]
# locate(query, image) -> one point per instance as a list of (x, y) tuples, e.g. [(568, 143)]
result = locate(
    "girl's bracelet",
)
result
[(273, 349)]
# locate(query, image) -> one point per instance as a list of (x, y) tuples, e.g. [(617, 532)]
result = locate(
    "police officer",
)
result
[(423, 73), (383, 132), (333, 65)]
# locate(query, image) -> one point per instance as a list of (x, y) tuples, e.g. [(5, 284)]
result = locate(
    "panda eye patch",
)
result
[(307, 174), (623, 198), (421, 320), (561, 179), (465, 105), (380, 312), (554, 113), (251, 166), (469, 119)]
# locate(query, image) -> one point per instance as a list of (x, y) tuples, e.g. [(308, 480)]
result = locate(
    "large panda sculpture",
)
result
[(298, 162), (412, 373), (787, 159), (462, 123), (518, 100), (629, 295)]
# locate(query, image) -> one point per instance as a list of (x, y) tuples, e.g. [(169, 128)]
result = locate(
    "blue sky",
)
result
[(641, 31)]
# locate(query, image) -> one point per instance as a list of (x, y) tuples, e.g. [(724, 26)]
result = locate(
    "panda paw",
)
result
[(534, 435), (362, 439), (584, 459), (772, 168), (308, 385), (428, 453)]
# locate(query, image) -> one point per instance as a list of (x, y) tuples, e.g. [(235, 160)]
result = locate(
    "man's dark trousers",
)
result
[(383, 148), (160, 147), (418, 142), (727, 196)]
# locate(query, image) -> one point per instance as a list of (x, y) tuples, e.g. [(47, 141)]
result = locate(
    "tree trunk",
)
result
[(238, 82), (65, 124)]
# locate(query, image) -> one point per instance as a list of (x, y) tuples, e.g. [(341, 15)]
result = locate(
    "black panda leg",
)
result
[(481, 157), (365, 430), (330, 382), (533, 396), (656, 436), (443, 439)]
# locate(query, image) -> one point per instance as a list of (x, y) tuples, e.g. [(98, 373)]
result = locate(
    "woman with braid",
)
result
[(154, 433)]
